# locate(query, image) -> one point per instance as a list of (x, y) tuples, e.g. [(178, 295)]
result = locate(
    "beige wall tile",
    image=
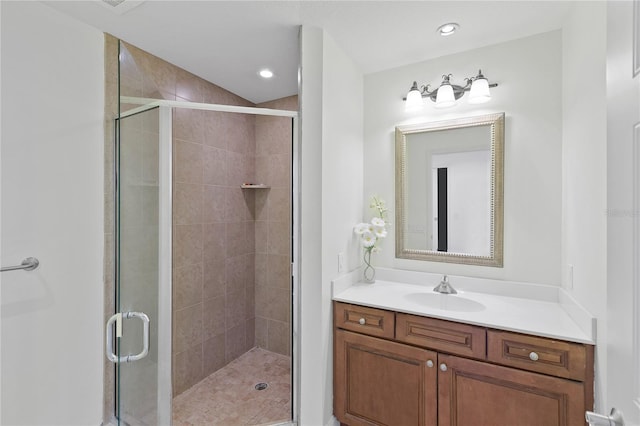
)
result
[(160, 72), (261, 269), (187, 245), (188, 204), (262, 170), (273, 135), (236, 243), (279, 339), (238, 204), (261, 332), (237, 173), (217, 95), (235, 343), (279, 205), (261, 236), (250, 302), (250, 232), (280, 170), (215, 129), (163, 75), (189, 87), (250, 333), (188, 166), (215, 242), (215, 166), (279, 271), (260, 209), (214, 317), (214, 354), (187, 286), (235, 309), (289, 103), (187, 328), (188, 125), (237, 273), (279, 238), (215, 278), (187, 369), (273, 303), (215, 203)]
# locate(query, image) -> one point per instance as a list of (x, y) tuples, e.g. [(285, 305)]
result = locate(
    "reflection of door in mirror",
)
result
[(461, 201), (449, 188)]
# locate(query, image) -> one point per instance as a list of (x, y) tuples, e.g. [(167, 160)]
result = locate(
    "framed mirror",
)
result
[(449, 191)]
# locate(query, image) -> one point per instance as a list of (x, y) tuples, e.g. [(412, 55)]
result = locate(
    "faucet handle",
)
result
[(445, 280)]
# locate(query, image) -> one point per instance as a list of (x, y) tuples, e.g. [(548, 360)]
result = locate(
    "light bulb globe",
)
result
[(479, 92)]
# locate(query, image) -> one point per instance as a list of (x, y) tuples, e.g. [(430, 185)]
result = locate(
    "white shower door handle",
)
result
[(117, 318)]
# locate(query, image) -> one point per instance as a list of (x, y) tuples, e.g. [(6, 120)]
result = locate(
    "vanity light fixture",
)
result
[(447, 94)]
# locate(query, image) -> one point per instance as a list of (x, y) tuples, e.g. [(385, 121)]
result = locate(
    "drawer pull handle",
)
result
[(362, 321), (533, 356), (443, 367), (430, 364)]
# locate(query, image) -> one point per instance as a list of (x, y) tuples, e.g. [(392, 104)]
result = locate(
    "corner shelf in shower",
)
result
[(254, 186)]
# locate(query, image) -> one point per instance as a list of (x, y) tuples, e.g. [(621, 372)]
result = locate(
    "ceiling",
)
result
[(228, 42)]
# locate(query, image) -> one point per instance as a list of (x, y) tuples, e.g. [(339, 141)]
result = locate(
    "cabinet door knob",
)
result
[(533, 356), (362, 321), (430, 364), (443, 367)]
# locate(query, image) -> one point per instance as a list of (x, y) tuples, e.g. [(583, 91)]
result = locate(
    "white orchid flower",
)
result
[(378, 222), (368, 239), (381, 233), (360, 228)]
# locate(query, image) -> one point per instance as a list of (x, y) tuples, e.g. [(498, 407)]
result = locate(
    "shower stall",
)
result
[(205, 248)]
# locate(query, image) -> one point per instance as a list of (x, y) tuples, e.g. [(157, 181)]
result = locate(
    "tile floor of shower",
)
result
[(228, 397)]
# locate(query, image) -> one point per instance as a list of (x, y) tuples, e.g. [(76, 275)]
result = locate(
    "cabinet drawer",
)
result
[(445, 336), (548, 356), (375, 322)]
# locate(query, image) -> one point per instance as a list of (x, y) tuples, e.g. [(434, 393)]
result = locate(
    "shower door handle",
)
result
[(117, 319)]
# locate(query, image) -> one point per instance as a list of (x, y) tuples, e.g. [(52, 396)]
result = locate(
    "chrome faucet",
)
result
[(444, 287)]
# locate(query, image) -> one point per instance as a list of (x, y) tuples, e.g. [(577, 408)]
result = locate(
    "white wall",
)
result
[(331, 204), (528, 72), (52, 201), (623, 199), (584, 178)]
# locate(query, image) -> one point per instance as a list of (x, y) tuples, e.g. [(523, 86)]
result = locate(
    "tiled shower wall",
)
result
[(273, 228), (231, 246), (213, 297)]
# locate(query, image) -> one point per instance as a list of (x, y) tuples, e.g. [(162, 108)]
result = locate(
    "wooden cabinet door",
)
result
[(379, 382), (477, 394)]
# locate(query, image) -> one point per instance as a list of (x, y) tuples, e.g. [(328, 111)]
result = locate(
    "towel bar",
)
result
[(28, 264)]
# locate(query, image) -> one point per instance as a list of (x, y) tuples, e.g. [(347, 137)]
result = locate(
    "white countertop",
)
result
[(540, 317)]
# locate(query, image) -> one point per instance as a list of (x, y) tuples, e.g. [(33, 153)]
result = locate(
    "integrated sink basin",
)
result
[(445, 302)]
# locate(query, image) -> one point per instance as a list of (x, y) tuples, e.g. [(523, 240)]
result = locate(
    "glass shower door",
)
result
[(139, 343)]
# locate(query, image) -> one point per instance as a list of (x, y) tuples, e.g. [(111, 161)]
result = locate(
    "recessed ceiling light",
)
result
[(266, 73), (448, 28)]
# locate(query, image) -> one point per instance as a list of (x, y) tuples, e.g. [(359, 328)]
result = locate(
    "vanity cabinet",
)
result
[(437, 372)]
